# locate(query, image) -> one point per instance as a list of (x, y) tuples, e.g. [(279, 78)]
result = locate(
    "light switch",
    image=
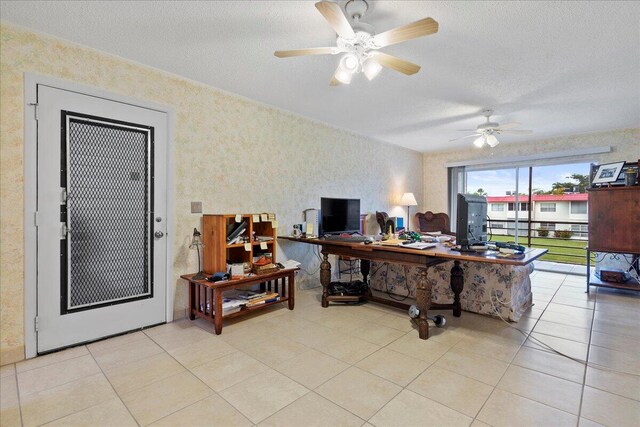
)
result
[(196, 207)]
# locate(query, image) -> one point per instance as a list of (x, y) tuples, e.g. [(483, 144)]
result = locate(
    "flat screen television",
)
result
[(471, 220), (339, 216)]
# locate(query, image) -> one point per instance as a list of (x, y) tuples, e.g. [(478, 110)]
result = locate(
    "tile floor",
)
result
[(350, 366)]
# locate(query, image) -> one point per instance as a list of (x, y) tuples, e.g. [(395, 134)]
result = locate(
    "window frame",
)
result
[(579, 203), (548, 207)]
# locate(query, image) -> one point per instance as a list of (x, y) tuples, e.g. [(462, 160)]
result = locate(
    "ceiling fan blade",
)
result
[(468, 136), (420, 28), (301, 52), (516, 131), (467, 130), (333, 14), (395, 63), (509, 125)]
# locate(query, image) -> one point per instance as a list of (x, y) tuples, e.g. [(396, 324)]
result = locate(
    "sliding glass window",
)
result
[(537, 206)]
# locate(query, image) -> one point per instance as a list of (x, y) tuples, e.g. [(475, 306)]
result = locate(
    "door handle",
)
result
[(158, 234)]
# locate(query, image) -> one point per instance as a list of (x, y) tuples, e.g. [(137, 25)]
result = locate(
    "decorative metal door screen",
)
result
[(107, 203)]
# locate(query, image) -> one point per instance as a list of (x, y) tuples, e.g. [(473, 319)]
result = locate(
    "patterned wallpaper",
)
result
[(625, 145), (231, 153)]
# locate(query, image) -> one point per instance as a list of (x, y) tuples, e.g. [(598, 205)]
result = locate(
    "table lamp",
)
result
[(196, 242), (408, 200)]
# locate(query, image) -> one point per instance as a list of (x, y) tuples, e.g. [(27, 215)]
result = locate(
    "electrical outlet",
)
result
[(196, 207)]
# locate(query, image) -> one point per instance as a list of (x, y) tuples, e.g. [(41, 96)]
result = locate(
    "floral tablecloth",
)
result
[(508, 285)]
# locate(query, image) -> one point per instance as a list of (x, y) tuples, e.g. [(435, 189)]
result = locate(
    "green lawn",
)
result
[(573, 253)]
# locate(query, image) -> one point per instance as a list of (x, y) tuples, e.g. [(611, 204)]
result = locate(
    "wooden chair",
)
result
[(430, 222)]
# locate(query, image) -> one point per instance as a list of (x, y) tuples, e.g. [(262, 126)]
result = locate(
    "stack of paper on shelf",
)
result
[(268, 297), (290, 263), (232, 305)]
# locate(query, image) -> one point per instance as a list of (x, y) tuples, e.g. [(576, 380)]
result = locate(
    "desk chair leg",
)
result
[(325, 278), (457, 284), (423, 302)]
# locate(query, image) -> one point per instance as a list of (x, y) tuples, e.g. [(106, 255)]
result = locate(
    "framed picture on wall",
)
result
[(608, 173)]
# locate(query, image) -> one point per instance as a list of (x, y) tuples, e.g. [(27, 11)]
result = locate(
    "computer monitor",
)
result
[(339, 215), (471, 220)]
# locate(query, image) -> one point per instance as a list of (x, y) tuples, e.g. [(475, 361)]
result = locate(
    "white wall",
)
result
[(231, 153)]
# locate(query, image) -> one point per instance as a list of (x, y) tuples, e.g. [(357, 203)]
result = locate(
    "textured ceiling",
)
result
[(559, 68)]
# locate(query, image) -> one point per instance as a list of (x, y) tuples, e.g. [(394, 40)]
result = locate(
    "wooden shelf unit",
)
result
[(205, 298), (217, 253), (614, 221)]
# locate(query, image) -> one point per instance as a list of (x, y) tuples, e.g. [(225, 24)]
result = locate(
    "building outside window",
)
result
[(522, 206), (580, 230), (547, 207), (578, 207), (513, 194)]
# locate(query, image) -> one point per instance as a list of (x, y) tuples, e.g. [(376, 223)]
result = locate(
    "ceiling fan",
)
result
[(487, 131), (358, 43)]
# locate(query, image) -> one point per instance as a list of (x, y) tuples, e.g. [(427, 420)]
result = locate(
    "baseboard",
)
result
[(11, 355)]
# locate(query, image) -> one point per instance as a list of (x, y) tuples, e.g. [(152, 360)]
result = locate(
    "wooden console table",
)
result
[(424, 259), (205, 298)]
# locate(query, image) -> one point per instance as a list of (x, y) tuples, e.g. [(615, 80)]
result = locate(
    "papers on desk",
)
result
[(401, 243), (438, 238), (419, 245), (391, 242)]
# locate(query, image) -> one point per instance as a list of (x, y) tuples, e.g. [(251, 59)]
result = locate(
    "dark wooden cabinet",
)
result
[(614, 227), (614, 219)]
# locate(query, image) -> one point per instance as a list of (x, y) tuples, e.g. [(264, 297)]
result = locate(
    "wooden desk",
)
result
[(205, 298), (424, 259)]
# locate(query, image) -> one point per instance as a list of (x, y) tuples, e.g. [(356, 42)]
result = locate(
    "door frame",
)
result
[(31, 82)]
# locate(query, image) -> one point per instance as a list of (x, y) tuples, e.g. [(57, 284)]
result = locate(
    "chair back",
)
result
[(431, 222)]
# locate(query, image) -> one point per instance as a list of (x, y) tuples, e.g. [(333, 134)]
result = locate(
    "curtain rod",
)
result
[(531, 157)]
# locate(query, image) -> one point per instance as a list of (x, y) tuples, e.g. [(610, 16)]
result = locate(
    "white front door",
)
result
[(101, 249)]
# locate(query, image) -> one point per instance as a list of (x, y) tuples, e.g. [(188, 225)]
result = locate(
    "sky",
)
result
[(498, 182)]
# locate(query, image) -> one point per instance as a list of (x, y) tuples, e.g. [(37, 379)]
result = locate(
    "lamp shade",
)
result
[(371, 69), (196, 240), (343, 76), (408, 199), (492, 141)]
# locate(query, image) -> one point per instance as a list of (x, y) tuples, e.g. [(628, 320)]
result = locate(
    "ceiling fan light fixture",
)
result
[(492, 141), (343, 76), (479, 142), (358, 40), (371, 69), (349, 62)]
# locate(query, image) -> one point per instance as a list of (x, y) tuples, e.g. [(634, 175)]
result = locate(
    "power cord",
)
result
[(528, 335), (315, 252), (406, 281)]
